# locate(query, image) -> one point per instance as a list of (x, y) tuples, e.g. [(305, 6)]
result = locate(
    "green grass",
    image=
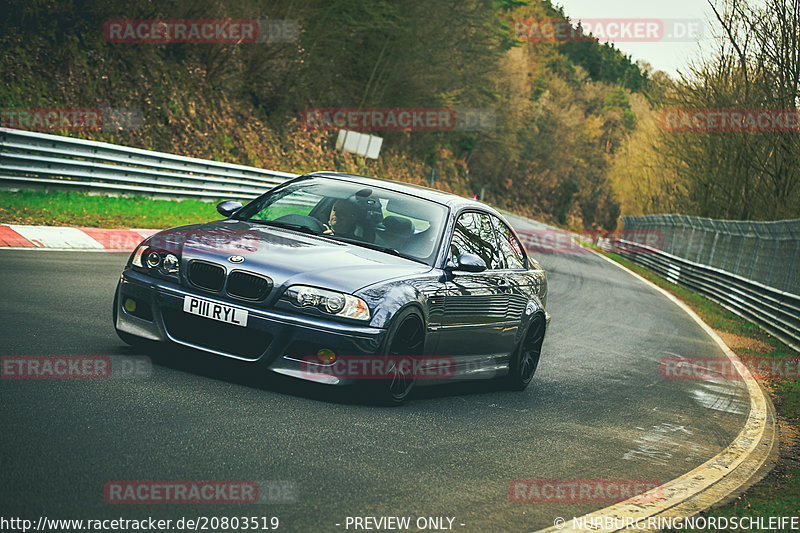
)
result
[(778, 494), (60, 208)]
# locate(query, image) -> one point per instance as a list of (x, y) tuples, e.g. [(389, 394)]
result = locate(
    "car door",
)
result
[(514, 273), (476, 303)]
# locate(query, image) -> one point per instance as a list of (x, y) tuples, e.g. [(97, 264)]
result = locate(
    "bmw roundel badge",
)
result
[(236, 259)]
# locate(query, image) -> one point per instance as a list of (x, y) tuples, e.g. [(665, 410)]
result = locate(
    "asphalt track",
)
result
[(598, 409)]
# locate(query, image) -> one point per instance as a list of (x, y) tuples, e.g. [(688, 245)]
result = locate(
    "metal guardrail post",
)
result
[(787, 284), (776, 239), (741, 248), (702, 247), (689, 221), (670, 220), (754, 228), (714, 243)]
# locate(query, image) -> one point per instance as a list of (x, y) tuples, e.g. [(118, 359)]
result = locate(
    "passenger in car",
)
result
[(342, 221)]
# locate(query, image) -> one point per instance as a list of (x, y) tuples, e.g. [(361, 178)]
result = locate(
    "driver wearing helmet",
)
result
[(342, 221)]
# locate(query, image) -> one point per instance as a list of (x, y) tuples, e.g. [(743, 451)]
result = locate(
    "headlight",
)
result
[(330, 302), (152, 259), (170, 264)]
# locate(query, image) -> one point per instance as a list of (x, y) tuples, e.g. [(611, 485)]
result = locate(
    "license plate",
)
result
[(215, 311)]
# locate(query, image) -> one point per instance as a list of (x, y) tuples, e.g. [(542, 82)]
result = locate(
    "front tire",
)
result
[(406, 337), (526, 359)]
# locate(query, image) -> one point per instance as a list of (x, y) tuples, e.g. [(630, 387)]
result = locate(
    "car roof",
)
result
[(451, 200)]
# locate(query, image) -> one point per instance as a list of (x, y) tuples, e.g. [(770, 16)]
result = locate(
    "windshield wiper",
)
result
[(285, 225)]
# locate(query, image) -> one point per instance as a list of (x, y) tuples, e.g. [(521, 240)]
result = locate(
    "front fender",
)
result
[(388, 300)]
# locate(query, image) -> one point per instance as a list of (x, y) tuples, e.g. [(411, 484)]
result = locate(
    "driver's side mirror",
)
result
[(228, 208), (467, 263)]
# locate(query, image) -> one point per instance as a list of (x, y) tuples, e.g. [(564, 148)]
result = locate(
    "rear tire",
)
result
[(406, 337), (526, 358)]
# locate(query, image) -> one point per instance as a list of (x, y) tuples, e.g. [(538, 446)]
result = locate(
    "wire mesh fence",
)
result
[(766, 252)]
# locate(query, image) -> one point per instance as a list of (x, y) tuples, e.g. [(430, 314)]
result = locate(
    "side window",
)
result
[(474, 234), (509, 245)]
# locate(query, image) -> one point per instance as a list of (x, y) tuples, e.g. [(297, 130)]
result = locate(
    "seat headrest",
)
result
[(398, 226)]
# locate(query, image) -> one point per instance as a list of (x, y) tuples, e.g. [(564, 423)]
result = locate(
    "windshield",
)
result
[(362, 214)]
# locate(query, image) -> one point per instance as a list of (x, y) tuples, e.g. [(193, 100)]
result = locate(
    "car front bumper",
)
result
[(289, 341)]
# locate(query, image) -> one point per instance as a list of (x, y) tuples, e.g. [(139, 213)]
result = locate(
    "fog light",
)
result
[(326, 356), (130, 305)]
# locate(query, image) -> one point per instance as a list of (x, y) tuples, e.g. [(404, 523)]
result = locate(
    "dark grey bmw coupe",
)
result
[(339, 279)]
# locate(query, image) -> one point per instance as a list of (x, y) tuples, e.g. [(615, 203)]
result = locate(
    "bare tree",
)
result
[(743, 174)]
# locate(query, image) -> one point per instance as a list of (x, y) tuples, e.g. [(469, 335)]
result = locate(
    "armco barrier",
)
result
[(776, 311), (42, 160), (766, 252)]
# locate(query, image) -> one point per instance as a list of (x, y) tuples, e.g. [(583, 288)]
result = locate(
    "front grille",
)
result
[(248, 286), (206, 275), (208, 333)]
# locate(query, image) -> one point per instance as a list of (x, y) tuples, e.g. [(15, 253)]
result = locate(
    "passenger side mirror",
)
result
[(467, 263), (228, 208)]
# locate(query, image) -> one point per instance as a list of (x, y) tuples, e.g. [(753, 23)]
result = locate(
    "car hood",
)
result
[(286, 256)]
